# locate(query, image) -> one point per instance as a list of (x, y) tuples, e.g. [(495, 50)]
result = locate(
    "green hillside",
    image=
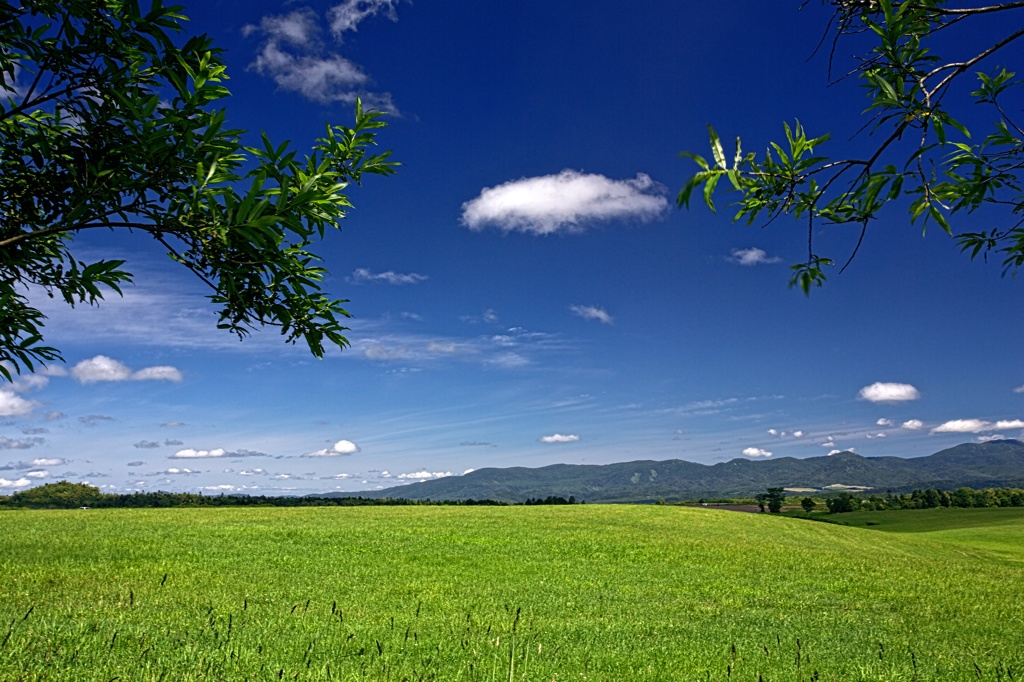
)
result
[(595, 592), (975, 465)]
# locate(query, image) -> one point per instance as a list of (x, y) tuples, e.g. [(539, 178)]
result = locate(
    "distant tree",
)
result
[(842, 502), (762, 500), (808, 504), (920, 155), (776, 498), (108, 121), (60, 495)]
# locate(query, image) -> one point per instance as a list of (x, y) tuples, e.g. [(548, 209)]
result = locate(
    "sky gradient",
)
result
[(524, 290)]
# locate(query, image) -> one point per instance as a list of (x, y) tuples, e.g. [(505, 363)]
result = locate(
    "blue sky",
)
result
[(524, 290)]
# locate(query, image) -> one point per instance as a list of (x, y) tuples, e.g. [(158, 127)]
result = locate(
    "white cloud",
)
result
[(346, 15), (977, 425), (19, 483), (12, 405), (190, 453), (102, 368), (339, 449), (885, 422), (834, 452), (425, 475), (1019, 389), (798, 434), (158, 373), (37, 474), (182, 472), (564, 202), (296, 57), (46, 462), (756, 452), (912, 425), (559, 438), (468, 471), (377, 351), (990, 438), (752, 256), (881, 392), (590, 312), (390, 277)]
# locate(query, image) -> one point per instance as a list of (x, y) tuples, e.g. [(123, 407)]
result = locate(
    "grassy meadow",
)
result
[(585, 592)]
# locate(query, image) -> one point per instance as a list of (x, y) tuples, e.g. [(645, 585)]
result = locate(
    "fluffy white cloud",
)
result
[(590, 312), (912, 425), (102, 368), (296, 57), (339, 449), (19, 483), (425, 475), (885, 422), (559, 438), (752, 256), (190, 453), (756, 452), (12, 405), (390, 277), (564, 203), (37, 474), (881, 392), (798, 434), (977, 425)]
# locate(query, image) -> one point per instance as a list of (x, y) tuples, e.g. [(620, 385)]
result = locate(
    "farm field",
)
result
[(584, 592)]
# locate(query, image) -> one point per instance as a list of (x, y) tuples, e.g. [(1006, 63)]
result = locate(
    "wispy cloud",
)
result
[(566, 202), (389, 277), (296, 55), (752, 256), (20, 443), (591, 312), (882, 392)]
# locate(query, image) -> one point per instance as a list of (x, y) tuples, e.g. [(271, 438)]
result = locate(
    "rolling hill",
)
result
[(975, 465)]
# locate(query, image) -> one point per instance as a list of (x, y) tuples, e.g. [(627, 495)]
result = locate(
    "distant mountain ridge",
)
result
[(974, 465)]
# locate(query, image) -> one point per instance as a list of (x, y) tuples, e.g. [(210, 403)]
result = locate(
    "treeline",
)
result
[(65, 495), (927, 499), (552, 499)]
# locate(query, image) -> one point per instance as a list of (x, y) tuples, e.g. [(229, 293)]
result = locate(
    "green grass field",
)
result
[(585, 592)]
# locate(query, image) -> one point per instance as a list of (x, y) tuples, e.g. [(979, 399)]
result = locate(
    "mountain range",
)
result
[(974, 465)]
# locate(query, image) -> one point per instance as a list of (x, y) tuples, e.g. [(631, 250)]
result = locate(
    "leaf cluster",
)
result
[(912, 158), (109, 119)]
